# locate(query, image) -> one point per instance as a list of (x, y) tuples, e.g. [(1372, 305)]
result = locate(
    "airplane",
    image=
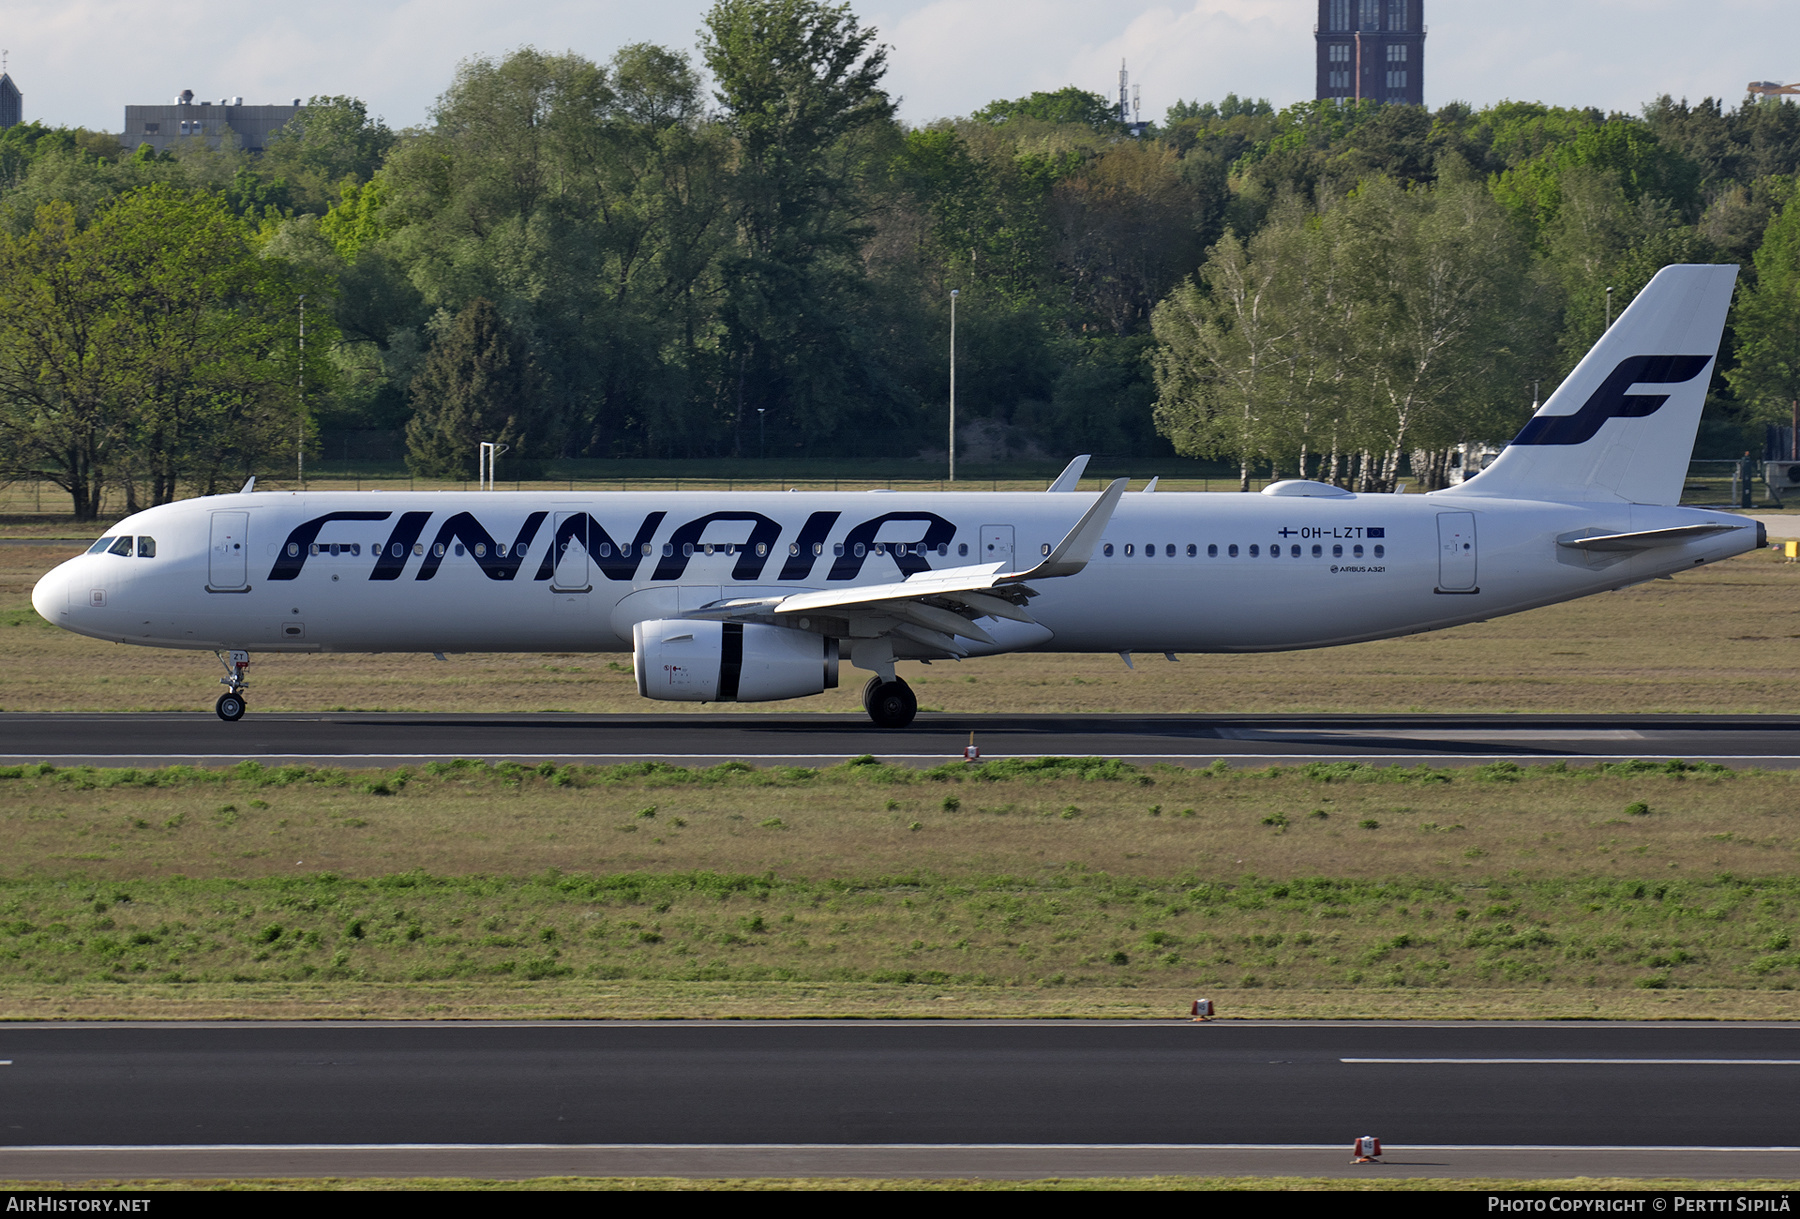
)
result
[(746, 597)]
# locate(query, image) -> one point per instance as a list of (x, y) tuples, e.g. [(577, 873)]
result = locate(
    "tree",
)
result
[(331, 140), (478, 384), (150, 349), (1767, 376), (799, 82), (1066, 105)]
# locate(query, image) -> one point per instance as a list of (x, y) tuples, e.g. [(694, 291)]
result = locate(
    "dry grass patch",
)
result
[(1343, 820)]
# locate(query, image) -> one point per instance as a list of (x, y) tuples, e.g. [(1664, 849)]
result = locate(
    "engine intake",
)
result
[(679, 660)]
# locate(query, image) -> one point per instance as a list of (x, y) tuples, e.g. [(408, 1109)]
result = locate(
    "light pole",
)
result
[(762, 434), (1608, 309), (953, 293), (300, 427)]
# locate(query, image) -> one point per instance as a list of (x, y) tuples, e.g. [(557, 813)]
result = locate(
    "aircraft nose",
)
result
[(50, 595)]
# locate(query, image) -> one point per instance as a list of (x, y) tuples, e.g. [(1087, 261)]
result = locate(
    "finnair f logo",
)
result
[(1610, 401)]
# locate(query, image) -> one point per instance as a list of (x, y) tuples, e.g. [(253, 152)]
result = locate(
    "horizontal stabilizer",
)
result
[(1648, 539)]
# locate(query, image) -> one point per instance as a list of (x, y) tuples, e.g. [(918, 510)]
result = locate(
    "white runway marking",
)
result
[(1432, 734), (1584, 1061)]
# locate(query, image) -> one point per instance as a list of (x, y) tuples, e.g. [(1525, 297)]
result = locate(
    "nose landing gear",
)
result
[(231, 705)]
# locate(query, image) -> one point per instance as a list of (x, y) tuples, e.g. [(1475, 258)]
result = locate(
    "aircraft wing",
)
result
[(944, 601)]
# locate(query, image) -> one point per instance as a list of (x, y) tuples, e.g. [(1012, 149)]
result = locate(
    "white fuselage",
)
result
[(257, 571)]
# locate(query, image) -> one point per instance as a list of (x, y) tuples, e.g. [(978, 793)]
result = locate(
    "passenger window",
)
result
[(1380, 550), (100, 546), (418, 548), (146, 548), (646, 550), (819, 549), (1107, 550), (519, 550), (606, 550), (1294, 551), (460, 552), (962, 549), (837, 550), (943, 549), (1169, 550), (1130, 549), (481, 550), (668, 550), (1212, 550), (122, 546), (1356, 550), (1318, 550), (860, 550), (793, 549), (1254, 551), (356, 549), (1233, 551), (1337, 550), (1275, 551), (762, 549), (499, 549), (1194, 550)]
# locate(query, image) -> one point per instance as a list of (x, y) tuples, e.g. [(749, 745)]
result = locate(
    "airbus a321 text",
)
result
[(756, 596)]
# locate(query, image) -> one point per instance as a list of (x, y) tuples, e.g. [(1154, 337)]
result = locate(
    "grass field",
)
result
[(1002, 888), (1722, 639)]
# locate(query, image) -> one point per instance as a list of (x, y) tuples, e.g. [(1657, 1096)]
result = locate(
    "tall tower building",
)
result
[(12, 103), (1372, 49)]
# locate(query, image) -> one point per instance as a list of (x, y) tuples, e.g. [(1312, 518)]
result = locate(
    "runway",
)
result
[(807, 739), (898, 1098)]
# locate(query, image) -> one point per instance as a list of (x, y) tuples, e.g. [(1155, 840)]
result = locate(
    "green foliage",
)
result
[(687, 276), (479, 384), (152, 347), (1086, 929), (1066, 105)]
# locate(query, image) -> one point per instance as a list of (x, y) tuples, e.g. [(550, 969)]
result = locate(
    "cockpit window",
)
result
[(122, 546), (146, 547), (100, 546)]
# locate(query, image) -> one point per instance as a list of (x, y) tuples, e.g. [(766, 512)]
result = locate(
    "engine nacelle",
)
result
[(680, 660)]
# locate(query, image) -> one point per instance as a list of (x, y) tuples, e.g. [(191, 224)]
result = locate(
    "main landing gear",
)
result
[(891, 704), (231, 705)]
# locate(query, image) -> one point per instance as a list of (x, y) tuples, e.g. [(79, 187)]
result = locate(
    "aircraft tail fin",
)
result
[(1621, 427)]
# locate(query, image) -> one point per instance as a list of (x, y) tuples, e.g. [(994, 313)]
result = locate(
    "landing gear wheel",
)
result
[(891, 704), (230, 707), (874, 684)]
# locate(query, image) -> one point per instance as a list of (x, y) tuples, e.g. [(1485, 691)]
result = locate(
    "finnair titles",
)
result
[(745, 597)]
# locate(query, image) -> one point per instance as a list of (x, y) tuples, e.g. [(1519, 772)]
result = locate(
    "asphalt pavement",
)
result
[(912, 1098), (390, 739)]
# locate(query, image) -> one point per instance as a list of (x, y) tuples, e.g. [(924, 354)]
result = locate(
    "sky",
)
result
[(80, 62)]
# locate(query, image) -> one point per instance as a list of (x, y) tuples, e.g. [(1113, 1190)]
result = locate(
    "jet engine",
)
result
[(681, 660)]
